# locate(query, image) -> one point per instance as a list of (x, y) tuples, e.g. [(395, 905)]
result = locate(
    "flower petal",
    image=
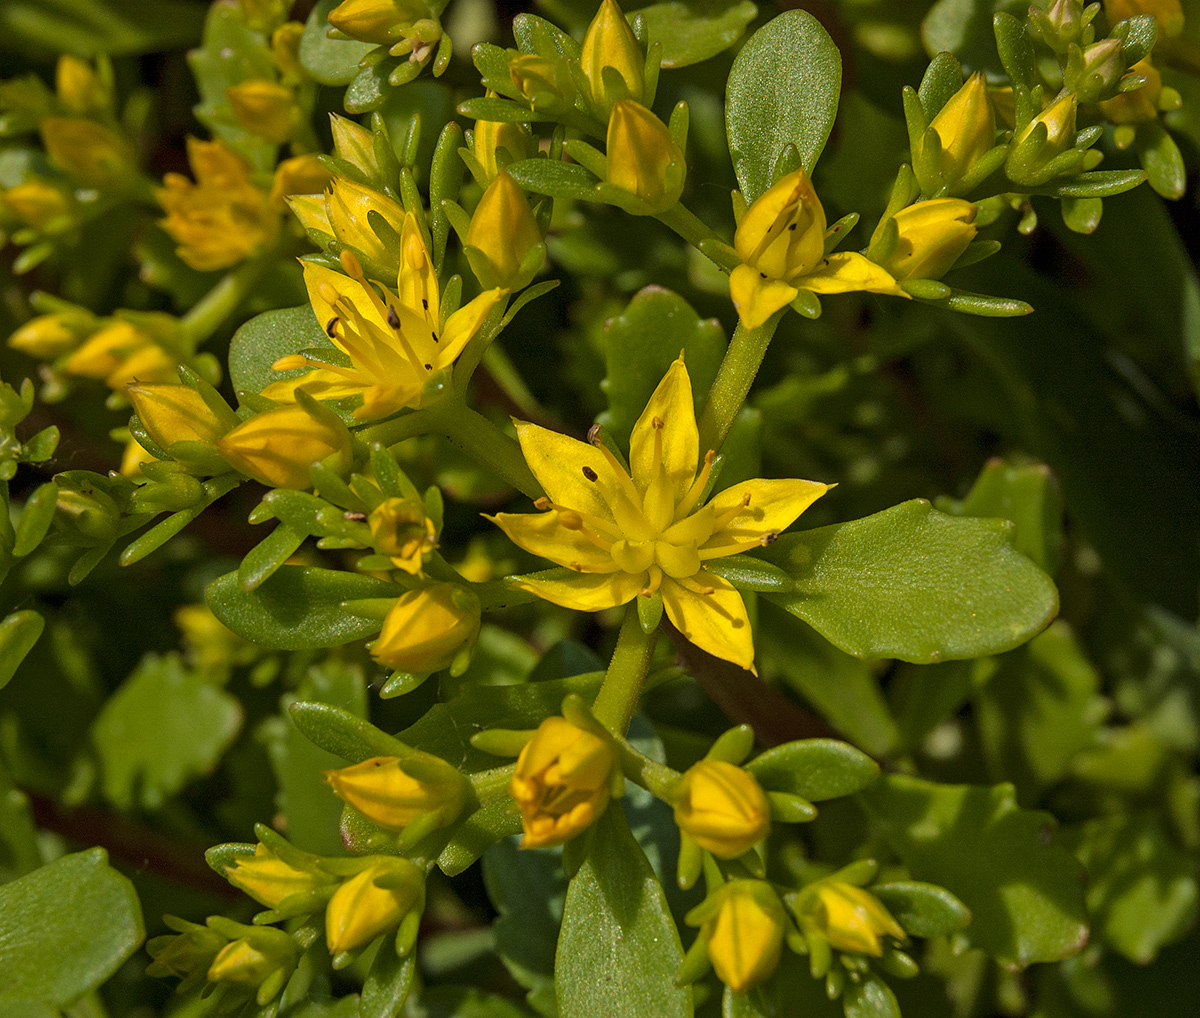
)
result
[(842, 273), (715, 622), (758, 297), (671, 404), (559, 461), (588, 592), (543, 534), (462, 325), (319, 383), (774, 506), (317, 278), (416, 284)]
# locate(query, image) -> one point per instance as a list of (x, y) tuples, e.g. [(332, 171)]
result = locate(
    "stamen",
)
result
[(696, 588), (350, 264), (656, 575), (627, 488), (698, 485), (393, 319), (590, 474), (732, 513), (768, 538), (327, 293), (542, 503), (330, 325), (353, 517), (586, 524)]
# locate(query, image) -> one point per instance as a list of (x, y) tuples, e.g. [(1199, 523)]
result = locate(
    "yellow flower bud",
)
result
[(347, 204), (742, 925), (189, 952), (37, 203), (782, 235), (612, 61), (253, 959), (380, 21), (269, 880), (542, 77), (106, 350), (722, 807), (299, 175), (933, 234), (175, 413), (354, 143), (490, 136), (79, 87), (643, 158), (285, 48), (1168, 13), (264, 108), (850, 918), (503, 237), (278, 447), (132, 459), (966, 128), (48, 336), (427, 629), (562, 782), (402, 531), (311, 210), (361, 909), (393, 793), (149, 364), (1138, 106), (87, 150), (264, 15), (1059, 118)]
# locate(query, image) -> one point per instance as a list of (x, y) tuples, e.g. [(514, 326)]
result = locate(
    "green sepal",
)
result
[(924, 910), (791, 809), (748, 573), (814, 769)]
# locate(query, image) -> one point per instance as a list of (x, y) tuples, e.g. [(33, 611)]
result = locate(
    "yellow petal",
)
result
[(842, 273), (558, 463), (588, 592), (317, 278), (715, 622), (319, 383), (462, 325), (758, 297), (417, 284), (672, 405), (774, 506), (543, 534)]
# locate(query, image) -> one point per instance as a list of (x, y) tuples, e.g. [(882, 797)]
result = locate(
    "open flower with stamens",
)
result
[(644, 531), (395, 342)]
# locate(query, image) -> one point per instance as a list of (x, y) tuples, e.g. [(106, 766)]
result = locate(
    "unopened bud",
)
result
[(503, 243), (87, 150), (612, 61), (373, 902), (264, 108), (278, 447), (722, 808), (176, 413), (428, 629), (1093, 74), (643, 159)]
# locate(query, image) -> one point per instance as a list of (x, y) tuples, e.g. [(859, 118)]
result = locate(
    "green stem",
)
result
[(222, 300), (656, 778), (487, 445), (492, 784), (504, 373), (687, 224), (389, 433), (622, 686), (729, 391)]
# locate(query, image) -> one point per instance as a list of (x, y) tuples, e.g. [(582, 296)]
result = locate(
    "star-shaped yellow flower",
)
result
[(636, 535), (781, 242), (394, 342)]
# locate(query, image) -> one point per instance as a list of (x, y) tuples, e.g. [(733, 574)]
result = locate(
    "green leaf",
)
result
[(1161, 159), (388, 982), (163, 727), (330, 61), (619, 951), (942, 79), (1082, 215), (640, 345), (370, 88), (19, 852), (67, 927), (782, 90), (695, 30), (18, 633), (924, 910), (1024, 890), (1142, 892), (814, 769), (265, 338), (913, 583), (88, 27), (554, 177), (870, 998), (964, 28), (265, 558)]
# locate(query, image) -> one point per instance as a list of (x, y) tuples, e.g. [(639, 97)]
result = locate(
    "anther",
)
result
[(425, 303), (590, 474), (329, 326), (393, 319), (569, 519), (577, 566), (593, 435), (428, 367), (327, 293), (792, 226), (354, 517), (768, 538), (541, 503), (351, 263), (656, 423)]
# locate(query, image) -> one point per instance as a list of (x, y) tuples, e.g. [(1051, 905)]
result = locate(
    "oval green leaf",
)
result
[(783, 90), (814, 769), (915, 584), (329, 61), (264, 339), (695, 30)]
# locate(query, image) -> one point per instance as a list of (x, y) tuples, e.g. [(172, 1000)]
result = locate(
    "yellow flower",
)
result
[(850, 918), (1138, 106), (222, 218), (626, 536), (402, 531), (610, 46), (428, 629), (563, 782), (394, 342), (543, 81), (393, 793), (269, 880), (278, 447), (299, 175), (354, 143), (176, 413), (1168, 13), (722, 807), (643, 159), (932, 236), (379, 21), (79, 87), (285, 49), (345, 214), (149, 364), (966, 128), (1059, 120), (254, 959), (781, 242), (48, 336), (490, 135), (373, 902), (503, 242), (38, 204), (264, 108), (118, 353), (87, 150), (742, 925)]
